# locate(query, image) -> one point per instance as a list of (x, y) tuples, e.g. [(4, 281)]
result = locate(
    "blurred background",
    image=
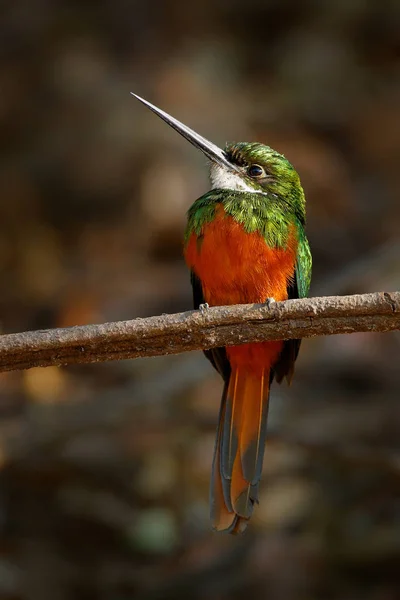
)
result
[(105, 468)]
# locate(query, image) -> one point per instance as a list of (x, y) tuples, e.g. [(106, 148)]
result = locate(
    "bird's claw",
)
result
[(269, 302), (203, 308)]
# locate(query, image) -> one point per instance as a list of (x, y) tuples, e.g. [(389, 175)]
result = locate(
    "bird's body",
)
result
[(245, 243), (237, 267)]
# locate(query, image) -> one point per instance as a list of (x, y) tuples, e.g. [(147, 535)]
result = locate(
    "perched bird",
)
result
[(244, 243)]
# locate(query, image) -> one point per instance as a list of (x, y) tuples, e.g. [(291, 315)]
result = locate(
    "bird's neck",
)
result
[(267, 214)]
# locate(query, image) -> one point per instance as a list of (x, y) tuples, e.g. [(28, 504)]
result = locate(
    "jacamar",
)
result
[(245, 243)]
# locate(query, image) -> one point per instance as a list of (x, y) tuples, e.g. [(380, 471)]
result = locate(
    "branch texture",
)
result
[(194, 330)]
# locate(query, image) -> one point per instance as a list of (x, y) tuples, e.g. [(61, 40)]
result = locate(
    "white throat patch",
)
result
[(228, 180)]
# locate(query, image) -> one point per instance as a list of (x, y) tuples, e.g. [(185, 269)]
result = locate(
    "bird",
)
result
[(244, 243)]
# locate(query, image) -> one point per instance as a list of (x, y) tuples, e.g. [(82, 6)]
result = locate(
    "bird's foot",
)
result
[(269, 302), (203, 308)]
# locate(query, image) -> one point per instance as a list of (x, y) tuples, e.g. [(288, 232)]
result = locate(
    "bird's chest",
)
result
[(237, 267)]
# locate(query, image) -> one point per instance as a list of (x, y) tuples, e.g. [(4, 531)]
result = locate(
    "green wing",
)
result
[(297, 289), (303, 266)]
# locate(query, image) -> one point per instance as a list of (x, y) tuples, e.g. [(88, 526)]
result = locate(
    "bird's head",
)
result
[(254, 168), (244, 166)]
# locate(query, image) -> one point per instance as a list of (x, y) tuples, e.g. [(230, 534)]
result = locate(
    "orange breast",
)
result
[(236, 267)]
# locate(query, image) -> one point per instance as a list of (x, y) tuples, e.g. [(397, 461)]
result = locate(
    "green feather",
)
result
[(272, 209), (303, 265)]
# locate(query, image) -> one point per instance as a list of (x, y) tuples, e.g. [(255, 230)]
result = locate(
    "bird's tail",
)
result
[(239, 449)]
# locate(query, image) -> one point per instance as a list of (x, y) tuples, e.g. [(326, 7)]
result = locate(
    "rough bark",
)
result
[(194, 330)]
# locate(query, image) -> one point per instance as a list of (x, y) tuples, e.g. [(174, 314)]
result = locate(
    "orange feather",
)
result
[(237, 267)]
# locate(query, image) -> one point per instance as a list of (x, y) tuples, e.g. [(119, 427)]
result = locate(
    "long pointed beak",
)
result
[(208, 148)]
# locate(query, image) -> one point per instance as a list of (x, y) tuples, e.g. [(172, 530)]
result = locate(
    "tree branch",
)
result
[(194, 330)]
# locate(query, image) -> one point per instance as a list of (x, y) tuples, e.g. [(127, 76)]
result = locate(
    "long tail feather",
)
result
[(222, 515), (239, 449)]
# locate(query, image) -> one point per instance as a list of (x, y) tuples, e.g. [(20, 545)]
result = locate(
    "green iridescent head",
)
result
[(260, 165), (258, 169), (245, 166)]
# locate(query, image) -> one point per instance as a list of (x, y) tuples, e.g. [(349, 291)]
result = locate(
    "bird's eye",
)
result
[(255, 171)]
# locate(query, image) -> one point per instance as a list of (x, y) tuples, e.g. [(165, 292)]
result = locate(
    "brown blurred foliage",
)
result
[(104, 469)]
